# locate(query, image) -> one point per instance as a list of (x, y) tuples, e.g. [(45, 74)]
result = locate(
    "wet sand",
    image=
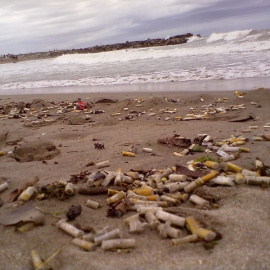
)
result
[(242, 217)]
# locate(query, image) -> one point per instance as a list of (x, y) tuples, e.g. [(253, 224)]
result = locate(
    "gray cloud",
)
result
[(27, 25)]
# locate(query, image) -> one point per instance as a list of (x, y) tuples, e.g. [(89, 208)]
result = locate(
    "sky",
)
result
[(36, 26)]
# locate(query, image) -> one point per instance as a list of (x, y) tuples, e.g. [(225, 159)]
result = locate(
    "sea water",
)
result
[(242, 56)]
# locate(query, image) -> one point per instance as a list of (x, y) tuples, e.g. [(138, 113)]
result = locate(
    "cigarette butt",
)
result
[(165, 230), (176, 220), (117, 197), (198, 200), (239, 178), (258, 180), (92, 204), (233, 167), (241, 149), (68, 228), (144, 191), (209, 176), (85, 245), (177, 154), (118, 244), (129, 154), (106, 236), (211, 164), (249, 173), (152, 198), (177, 177), (188, 239), (112, 192), (103, 164), (70, 189), (168, 199), (195, 228), (36, 260), (27, 194), (238, 143), (3, 187), (147, 150)]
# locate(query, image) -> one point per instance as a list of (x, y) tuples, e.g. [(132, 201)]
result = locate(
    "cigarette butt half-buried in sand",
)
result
[(3, 187), (195, 228), (200, 181), (36, 260), (188, 239), (27, 194)]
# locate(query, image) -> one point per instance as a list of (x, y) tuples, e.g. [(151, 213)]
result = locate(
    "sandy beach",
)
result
[(47, 136)]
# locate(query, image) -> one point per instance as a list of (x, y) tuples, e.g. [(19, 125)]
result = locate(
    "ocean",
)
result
[(220, 61)]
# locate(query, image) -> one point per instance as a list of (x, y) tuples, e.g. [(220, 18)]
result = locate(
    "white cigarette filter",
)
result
[(166, 173), (145, 209), (70, 189), (3, 187), (103, 164), (169, 199), (165, 230), (227, 148), (131, 194), (151, 219), (223, 181), (118, 177), (188, 239), (147, 150), (85, 245), (116, 197), (70, 229), (118, 244), (176, 186), (90, 236), (27, 194), (177, 177), (109, 177), (249, 173), (134, 223), (106, 236), (92, 204), (176, 220), (258, 180), (229, 157), (198, 200)]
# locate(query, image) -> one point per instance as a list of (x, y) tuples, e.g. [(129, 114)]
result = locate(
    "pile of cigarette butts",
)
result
[(149, 193)]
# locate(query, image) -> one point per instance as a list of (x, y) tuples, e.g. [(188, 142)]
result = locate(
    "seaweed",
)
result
[(175, 140)]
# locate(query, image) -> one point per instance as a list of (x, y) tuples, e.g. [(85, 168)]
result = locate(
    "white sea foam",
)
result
[(238, 54), (228, 36)]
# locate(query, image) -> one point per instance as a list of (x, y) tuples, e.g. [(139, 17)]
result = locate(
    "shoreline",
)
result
[(242, 84)]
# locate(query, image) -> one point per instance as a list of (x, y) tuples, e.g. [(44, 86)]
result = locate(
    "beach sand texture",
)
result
[(65, 146)]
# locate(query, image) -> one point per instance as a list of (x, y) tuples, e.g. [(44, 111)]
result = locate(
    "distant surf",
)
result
[(220, 56)]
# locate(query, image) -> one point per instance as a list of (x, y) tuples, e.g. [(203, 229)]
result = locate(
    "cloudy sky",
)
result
[(36, 25)]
